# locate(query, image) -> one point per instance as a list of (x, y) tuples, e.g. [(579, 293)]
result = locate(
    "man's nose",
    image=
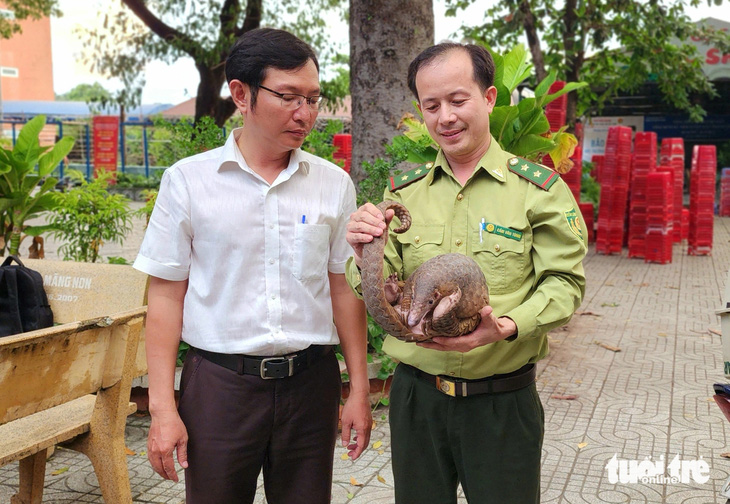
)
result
[(304, 112), (446, 115)]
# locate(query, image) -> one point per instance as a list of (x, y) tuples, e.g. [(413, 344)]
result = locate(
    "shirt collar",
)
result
[(231, 157), (491, 162)]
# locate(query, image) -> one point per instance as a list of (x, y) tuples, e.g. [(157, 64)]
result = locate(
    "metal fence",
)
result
[(140, 144)]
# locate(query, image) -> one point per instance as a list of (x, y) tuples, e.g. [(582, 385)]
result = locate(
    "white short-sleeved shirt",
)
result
[(256, 255)]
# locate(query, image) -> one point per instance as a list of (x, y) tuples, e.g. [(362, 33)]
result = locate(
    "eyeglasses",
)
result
[(292, 101)]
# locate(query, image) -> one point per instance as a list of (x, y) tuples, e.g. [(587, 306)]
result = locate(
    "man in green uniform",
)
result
[(465, 409)]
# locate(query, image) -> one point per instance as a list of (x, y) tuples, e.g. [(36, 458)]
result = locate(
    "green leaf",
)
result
[(48, 162), (39, 230), (517, 68), (6, 203), (569, 86), (542, 89), (531, 144), (27, 143), (501, 123)]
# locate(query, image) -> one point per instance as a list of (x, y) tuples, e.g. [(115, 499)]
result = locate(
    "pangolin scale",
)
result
[(442, 297)]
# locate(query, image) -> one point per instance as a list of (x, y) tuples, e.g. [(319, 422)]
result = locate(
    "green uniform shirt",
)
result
[(531, 249)]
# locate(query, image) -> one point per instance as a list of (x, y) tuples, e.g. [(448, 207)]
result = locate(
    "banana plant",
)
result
[(26, 183), (521, 129)]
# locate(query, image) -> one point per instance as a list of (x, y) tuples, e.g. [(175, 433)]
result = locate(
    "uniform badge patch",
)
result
[(574, 222)]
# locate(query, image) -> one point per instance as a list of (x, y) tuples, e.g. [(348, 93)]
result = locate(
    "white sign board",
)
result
[(596, 130)]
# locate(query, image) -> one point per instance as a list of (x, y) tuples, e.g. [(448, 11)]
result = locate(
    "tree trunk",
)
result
[(209, 101), (533, 40), (385, 36)]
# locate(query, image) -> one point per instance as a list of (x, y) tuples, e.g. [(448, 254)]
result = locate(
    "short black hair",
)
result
[(262, 48), (481, 60)]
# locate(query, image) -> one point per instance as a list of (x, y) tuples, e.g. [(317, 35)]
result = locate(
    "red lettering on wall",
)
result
[(713, 56)]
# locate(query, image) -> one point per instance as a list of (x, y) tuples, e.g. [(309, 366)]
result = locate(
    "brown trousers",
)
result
[(240, 424)]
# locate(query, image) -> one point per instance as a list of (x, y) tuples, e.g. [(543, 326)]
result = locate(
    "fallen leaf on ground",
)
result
[(582, 445), (344, 456), (662, 334), (607, 346), (373, 424), (381, 479), (715, 331), (59, 471), (129, 452), (566, 397), (380, 452), (643, 284), (592, 314), (142, 454), (350, 496), (609, 284), (725, 455), (377, 444), (578, 381), (354, 482), (611, 305)]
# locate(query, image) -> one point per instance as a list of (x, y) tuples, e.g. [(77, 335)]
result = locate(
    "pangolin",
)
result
[(442, 297)]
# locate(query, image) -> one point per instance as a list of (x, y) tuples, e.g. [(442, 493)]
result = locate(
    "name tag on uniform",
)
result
[(510, 233)]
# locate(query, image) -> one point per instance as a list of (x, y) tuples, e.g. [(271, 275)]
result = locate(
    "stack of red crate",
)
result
[(586, 210), (660, 216), (343, 149), (725, 193), (614, 190), (555, 111), (702, 199), (597, 161), (644, 163), (672, 154)]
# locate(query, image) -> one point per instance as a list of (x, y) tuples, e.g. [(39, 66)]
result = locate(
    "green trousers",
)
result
[(490, 443)]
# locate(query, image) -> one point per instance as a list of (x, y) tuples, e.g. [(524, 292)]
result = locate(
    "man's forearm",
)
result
[(164, 326), (351, 322)]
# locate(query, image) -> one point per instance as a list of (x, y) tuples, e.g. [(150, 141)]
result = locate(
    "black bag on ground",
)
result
[(23, 301)]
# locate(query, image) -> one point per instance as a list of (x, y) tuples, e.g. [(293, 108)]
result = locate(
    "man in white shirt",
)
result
[(246, 249)]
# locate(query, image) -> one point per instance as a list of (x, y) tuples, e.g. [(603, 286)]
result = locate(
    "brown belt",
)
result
[(458, 387), (267, 367)]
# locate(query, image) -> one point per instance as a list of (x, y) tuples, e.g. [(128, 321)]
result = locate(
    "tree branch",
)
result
[(253, 17), (176, 38)]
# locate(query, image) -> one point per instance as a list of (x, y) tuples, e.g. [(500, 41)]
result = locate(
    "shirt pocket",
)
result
[(311, 251), (502, 260), (419, 244)]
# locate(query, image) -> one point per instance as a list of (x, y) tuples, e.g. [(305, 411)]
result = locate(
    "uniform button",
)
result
[(458, 243), (496, 247), (460, 197), (358, 279), (273, 296), (271, 261), (417, 239)]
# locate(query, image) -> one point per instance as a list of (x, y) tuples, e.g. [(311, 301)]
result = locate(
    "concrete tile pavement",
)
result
[(652, 399)]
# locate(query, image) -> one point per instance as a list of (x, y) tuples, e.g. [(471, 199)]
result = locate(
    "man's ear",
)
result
[(491, 96), (241, 95)]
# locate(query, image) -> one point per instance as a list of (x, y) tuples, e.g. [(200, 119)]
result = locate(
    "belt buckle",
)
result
[(445, 386), (288, 358)]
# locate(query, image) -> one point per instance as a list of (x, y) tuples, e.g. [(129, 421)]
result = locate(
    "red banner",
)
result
[(106, 144)]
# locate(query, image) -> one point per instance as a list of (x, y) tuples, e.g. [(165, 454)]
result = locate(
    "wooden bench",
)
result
[(71, 382)]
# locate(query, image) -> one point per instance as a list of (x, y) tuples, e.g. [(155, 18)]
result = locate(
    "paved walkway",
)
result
[(650, 399)]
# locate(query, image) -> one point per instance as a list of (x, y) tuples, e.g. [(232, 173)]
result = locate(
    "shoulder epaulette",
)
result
[(402, 180), (542, 176)]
